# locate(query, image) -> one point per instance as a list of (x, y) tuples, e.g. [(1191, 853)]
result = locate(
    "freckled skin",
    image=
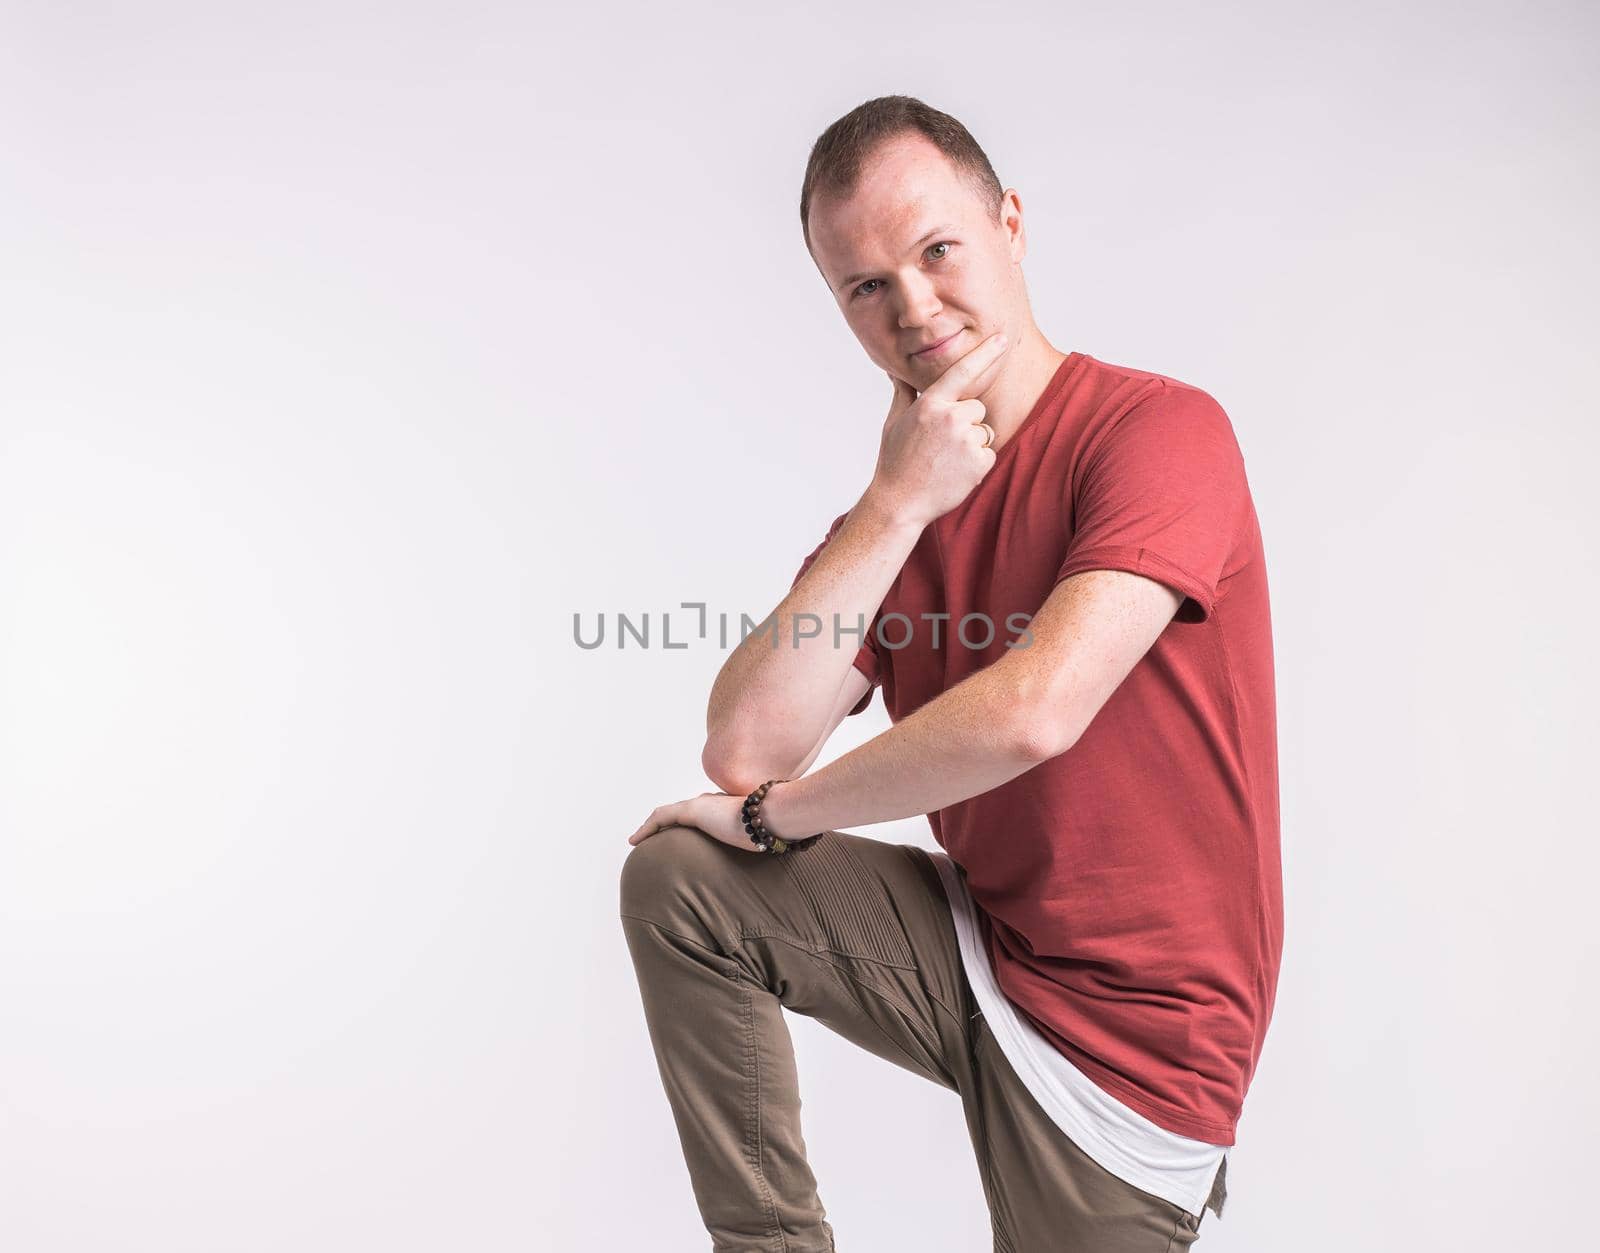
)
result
[(904, 292), (967, 278)]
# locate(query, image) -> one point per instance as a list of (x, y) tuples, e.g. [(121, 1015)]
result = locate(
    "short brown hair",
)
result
[(842, 149)]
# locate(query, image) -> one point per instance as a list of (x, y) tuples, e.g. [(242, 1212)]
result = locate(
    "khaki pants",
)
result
[(857, 934)]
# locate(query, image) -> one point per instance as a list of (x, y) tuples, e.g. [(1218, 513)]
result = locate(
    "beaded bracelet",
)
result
[(763, 839)]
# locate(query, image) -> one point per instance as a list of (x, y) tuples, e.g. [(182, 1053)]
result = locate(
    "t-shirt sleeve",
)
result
[(1162, 493), (866, 658)]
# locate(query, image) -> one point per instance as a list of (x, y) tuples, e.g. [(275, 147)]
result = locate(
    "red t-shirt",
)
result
[(1130, 890)]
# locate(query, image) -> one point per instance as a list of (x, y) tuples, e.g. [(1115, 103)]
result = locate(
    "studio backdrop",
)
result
[(355, 361)]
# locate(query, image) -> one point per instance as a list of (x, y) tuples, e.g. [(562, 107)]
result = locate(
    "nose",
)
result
[(919, 303)]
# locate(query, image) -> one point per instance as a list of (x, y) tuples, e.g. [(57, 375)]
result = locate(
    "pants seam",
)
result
[(796, 941), (753, 1105), (811, 951), (764, 933), (687, 939), (754, 1140), (932, 1045), (997, 1220)]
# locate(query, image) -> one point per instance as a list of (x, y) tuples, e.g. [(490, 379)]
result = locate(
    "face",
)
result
[(914, 257)]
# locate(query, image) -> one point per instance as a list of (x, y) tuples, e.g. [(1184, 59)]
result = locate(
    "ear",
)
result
[(1011, 221)]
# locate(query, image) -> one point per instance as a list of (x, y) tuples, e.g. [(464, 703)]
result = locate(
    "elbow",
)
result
[(1037, 742), (1042, 728), (729, 771)]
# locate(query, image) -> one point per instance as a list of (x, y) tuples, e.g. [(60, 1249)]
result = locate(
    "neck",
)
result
[(1034, 362)]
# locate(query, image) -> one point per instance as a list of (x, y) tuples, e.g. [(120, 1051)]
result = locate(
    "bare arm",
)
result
[(1028, 706), (772, 708), (855, 687)]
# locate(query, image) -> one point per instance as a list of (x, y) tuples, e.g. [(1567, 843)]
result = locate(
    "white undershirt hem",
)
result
[(1125, 1142)]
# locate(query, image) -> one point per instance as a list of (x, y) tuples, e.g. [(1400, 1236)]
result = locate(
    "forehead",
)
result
[(906, 187)]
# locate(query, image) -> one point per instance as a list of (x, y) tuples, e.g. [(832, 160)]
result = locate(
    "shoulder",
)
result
[(1164, 392), (1166, 414)]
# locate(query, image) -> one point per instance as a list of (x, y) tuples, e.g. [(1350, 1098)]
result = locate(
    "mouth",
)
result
[(935, 348)]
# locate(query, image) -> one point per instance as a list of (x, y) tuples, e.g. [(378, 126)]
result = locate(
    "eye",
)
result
[(861, 289)]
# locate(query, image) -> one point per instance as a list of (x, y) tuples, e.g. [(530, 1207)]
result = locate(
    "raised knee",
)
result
[(658, 870)]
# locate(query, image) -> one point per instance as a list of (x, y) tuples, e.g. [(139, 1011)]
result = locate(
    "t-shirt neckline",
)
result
[(1047, 397)]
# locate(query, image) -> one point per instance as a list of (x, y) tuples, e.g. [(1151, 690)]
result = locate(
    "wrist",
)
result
[(761, 823), (773, 815), (890, 514)]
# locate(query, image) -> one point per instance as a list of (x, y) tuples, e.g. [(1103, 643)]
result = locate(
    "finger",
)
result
[(970, 410), (657, 819), (956, 383)]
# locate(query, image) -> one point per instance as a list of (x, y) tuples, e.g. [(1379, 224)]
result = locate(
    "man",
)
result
[(1064, 576)]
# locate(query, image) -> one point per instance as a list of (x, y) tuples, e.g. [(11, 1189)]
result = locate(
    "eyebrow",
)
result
[(865, 274)]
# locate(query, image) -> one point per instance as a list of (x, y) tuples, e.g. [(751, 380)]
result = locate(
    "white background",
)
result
[(348, 350)]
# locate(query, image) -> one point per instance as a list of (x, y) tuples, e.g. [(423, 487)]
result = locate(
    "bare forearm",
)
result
[(967, 741), (771, 700)]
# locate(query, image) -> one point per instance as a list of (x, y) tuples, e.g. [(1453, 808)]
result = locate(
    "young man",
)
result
[(1062, 569)]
